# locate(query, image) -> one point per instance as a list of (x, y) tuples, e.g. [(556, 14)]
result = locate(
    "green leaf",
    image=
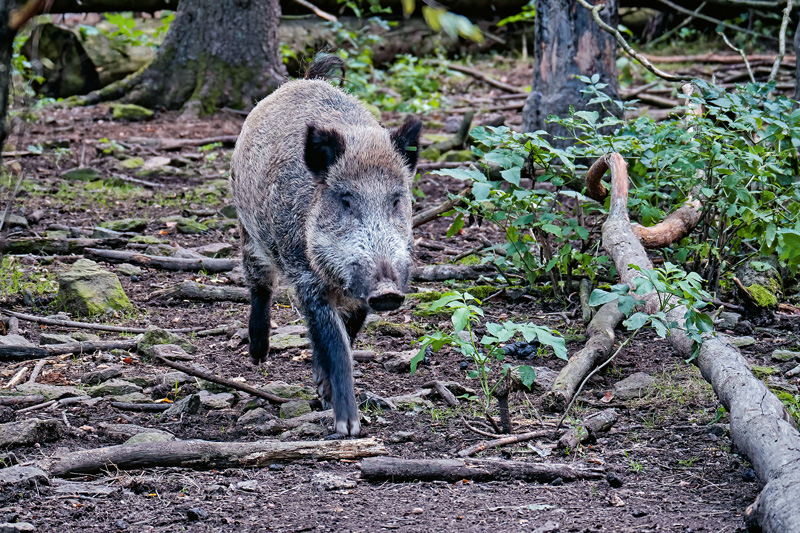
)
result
[(460, 319), (556, 343), (636, 320), (600, 297), (511, 175), (527, 374), (417, 359)]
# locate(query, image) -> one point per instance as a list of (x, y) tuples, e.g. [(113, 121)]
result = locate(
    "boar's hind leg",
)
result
[(261, 278), (333, 366), (353, 321)]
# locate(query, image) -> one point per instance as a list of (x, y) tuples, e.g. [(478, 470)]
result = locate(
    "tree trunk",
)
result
[(6, 42), (221, 53), (568, 43), (796, 43)]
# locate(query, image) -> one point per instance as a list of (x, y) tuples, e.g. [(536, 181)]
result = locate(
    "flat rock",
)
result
[(327, 481), (82, 488), (190, 226), (122, 432), (170, 351), (217, 249), (306, 430), (19, 477), (150, 436), (17, 527), (154, 163), (114, 387), (54, 338), (16, 221), (189, 405), (14, 340), (785, 355), (155, 336), (398, 362), (51, 392), (255, 416), (412, 402), (284, 390), (221, 400), (284, 341), (28, 432), (727, 320), (84, 336), (96, 377), (132, 397), (125, 224), (99, 232), (132, 163), (82, 174), (634, 386), (87, 289), (293, 329), (741, 342), (401, 436), (793, 372), (294, 409), (127, 269)]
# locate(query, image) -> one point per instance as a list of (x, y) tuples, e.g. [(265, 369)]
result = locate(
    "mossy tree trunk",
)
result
[(221, 53), (568, 43), (6, 43)]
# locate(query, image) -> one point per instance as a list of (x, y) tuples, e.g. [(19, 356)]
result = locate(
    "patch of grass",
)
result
[(16, 278), (791, 401)]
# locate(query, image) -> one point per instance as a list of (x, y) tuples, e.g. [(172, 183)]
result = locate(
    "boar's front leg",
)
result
[(260, 275), (332, 359), (353, 320)]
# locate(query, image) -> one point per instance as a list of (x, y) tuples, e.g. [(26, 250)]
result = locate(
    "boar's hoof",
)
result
[(385, 299), (350, 427), (258, 350)]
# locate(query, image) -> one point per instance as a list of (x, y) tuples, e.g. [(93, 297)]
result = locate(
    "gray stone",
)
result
[(777, 383), (132, 397), (170, 351), (370, 399), (412, 402), (17, 477), (150, 436), (98, 376), (189, 405), (295, 408), (51, 392), (398, 362), (401, 436), (28, 432), (284, 341), (148, 239), (217, 249), (132, 163), (130, 112), (785, 355), (741, 342), (16, 221), (89, 290), (113, 387), (254, 416), (727, 320), (634, 386), (190, 226), (306, 430), (56, 234), (14, 340), (155, 163), (326, 481), (291, 329), (793, 372), (17, 527), (84, 336), (125, 224), (171, 378), (155, 336), (126, 269), (221, 400), (284, 390), (210, 386), (54, 338), (251, 485)]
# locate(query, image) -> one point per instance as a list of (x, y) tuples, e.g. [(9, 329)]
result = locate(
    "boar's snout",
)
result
[(386, 297)]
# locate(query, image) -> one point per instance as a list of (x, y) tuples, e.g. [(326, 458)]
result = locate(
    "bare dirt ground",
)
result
[(671, 464)]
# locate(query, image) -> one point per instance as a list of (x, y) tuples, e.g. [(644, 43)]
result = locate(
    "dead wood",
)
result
[(212, 266), (192, 371), (432, 213), (44, 245), (200, 454), (141, 407), (177, 144), (445, 272), (510, 439), (23, 353), (398, 470), (481, 76), (443, 391), (18, 401), (761, 427), (459, 138), (585, 292), (84, 325), (725, 59), (191, 290), (17, 378), (38, 369)]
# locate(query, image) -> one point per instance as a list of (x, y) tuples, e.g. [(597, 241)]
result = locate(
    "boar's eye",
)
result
[(347, 202)]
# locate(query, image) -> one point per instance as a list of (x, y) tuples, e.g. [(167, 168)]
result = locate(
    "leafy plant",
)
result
[(466, 313)]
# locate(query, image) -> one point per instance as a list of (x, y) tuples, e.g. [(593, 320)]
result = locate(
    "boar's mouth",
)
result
[(385, 297)]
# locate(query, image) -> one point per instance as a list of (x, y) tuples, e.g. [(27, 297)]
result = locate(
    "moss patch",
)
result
[(763, 371), (763, 296), (391, 329)]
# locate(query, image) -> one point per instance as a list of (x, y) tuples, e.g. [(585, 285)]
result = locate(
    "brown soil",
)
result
[(677, 468)]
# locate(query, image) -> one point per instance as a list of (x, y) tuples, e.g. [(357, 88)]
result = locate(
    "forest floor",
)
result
[(669, 460)]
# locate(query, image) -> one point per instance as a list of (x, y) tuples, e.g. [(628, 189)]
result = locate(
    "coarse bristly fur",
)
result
[(323, 194)]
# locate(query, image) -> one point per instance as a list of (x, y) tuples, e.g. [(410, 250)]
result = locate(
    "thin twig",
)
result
[(503, 441), (317, 11), (787, 12), (88, 325), (741, 53), (687, 20), (37, 369), (685, 11), (478, 431)]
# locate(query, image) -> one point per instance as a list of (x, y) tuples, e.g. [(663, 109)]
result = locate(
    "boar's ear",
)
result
[(323, 148), (406, 140)]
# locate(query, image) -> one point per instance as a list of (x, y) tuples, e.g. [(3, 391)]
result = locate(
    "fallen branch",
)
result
[(724, 59), (481, 76), (504, 441), (398, 470), (432, 213), (85, 325), (39, 245), (200, 454), (787, 12), (212, 266), (16, 401), (192, 371), (191, 290), (23, 353), (445, 272), (141, 407), (459, 138), (177, 144)]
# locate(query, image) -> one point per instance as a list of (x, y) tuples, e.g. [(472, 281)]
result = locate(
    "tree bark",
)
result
[(220, 53), (568, 43), (796, 43), (6, 42)]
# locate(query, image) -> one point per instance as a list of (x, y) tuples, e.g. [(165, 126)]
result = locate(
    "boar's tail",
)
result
[(326, 66)]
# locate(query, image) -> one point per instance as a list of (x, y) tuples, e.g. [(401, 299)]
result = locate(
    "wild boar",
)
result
[(323, 195)]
